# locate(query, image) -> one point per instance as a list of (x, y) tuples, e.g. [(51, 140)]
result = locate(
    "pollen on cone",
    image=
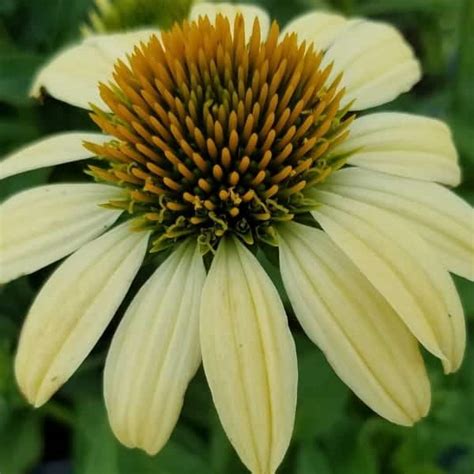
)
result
[(215, 133)]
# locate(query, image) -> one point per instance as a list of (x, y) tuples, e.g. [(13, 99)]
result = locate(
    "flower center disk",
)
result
[(216, 132)]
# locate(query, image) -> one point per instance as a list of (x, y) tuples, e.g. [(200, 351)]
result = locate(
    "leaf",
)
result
[(310, 459), (20, 443), (461, 127), (17, 130), (268, 258), (463, 95), (425, 469), (173, 459), (222, 457), (22, 181), (198, 405), (465, 289), (16, 297), (359, 459), (95, 448), (17, 68), (321, 395), (49, 24), (7, 6)]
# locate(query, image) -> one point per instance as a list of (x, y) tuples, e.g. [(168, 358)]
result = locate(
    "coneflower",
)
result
[(221, 136)]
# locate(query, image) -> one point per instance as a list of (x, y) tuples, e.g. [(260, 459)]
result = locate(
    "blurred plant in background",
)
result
[(334, 433), (118, 15)]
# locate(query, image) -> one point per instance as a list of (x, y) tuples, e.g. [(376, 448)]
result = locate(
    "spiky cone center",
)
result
[(215, 133)]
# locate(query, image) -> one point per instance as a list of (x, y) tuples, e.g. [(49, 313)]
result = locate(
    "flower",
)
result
[(220, 137)]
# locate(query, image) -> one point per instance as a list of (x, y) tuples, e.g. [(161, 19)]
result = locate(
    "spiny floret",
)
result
[(214, 133)]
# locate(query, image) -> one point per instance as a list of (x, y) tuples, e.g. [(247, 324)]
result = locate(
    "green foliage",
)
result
[(311, 459), (20, 443), (334, 432), (15, 81), (109, 16), (322, 397)]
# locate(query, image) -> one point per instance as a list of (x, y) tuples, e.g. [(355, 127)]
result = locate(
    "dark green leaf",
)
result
[(466, 290), (321, 395), (173, 459), (20, 443), (23, 181), (311, 460), (95, 448), (17, 69), (223, 458)]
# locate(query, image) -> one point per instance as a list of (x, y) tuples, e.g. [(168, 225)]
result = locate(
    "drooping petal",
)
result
[(364, 340), (404, 145), (73, 75), (155, 353), (249, 357), (230, 10), (377, 63), (437, 214), (50, 151), (73, 308), (402, 267), (319, 28), (43, 224)]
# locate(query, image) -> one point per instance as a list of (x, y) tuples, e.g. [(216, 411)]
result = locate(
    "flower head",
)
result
[(222, 136), (217, 133)]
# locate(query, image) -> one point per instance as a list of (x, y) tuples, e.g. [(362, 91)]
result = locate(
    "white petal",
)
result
[(249, 357), (437, 214), (362, 337), (231, 10), (402, 267), (73, 75), (42, 225), (404, 145), (155, 353), (50, 151), (320, 28), (73, 309), (377, 63), (118, 45)]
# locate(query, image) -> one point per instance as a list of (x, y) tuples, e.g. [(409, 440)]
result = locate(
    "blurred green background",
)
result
[(334, 432)]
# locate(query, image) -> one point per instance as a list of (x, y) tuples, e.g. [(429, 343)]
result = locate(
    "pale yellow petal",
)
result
[(230, 10), (115, 46), (443, 219), (155, 352), (362, 337), (249, 357), (73, 75), (404, 145), (402, 268), (377, 63), (73, 308), (50, 151), (317, 27), (43, 224)]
